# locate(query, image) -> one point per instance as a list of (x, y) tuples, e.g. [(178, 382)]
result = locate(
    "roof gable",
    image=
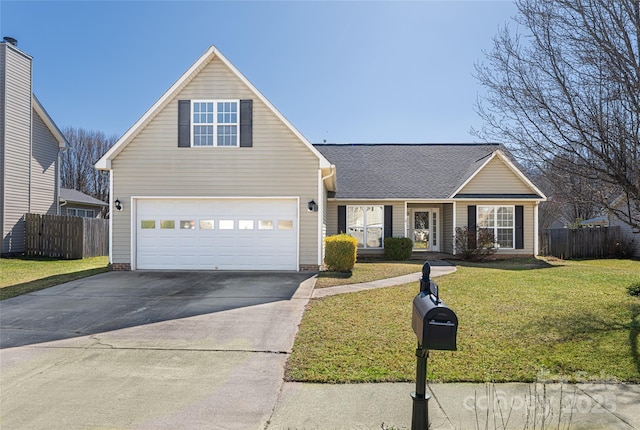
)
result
[(212, 53), (498, 176)]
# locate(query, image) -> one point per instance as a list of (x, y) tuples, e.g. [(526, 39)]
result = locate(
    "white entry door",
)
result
[(425, 230), (217, 234)]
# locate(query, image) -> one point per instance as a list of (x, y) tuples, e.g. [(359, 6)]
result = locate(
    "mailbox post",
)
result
[(435, 326)]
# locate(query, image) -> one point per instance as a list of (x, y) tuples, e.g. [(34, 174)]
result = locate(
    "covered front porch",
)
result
[(430, 227)]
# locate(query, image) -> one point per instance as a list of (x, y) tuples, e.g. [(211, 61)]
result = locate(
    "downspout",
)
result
[(321, 209), (453, 247), (64, 203), (535, 229)]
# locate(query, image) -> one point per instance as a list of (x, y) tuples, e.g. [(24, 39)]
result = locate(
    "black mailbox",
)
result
[(434, 324)]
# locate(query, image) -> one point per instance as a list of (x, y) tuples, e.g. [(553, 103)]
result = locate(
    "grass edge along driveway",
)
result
[(518, 321), (28, 274)]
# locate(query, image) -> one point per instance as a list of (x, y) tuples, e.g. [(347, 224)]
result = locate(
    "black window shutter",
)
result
[(246, 123), (184, 123), (472, 225), (388, 221), (519, 227), (342, 219)]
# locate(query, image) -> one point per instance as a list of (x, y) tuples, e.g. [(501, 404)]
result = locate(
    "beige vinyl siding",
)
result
[(17, 136), (496, 178), (278, 164), (44, 165), (528, 215)]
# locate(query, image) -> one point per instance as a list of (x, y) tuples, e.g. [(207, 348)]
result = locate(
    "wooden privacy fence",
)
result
[(580, 242), (67, 237)]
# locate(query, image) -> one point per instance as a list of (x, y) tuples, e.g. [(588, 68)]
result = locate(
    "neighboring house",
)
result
[(76, 203), (31, 143), (599, 221), (633, 237), (213, 177), (608, 219)]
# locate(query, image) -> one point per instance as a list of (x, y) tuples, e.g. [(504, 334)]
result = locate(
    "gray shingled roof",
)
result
[(404, 171), (78, 197)]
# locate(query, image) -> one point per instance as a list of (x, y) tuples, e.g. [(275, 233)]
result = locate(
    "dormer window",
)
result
[(215, 123)]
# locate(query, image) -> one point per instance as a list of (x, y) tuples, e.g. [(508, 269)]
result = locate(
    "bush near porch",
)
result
[(519, 320)]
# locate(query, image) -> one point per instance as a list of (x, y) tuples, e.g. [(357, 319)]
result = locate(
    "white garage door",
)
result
[(217, 234)]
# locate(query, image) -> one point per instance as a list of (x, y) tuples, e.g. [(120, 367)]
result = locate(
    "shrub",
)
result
[(340, 252), (474, 247), (634, 289), (397, 248)]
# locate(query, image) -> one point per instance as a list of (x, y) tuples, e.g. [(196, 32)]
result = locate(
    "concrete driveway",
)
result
[(149, 350)]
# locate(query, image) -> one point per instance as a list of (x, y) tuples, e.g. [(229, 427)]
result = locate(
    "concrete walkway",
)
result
[(461, 406), (438, 268)]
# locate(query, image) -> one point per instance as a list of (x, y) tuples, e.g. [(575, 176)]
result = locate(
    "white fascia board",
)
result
[(521, 175), (324, 163), (53, 128), (212, 52), (473, 175), (105, 162), (411, 201)]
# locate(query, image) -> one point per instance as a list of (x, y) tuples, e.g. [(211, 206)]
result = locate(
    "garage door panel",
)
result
[(192, 244)]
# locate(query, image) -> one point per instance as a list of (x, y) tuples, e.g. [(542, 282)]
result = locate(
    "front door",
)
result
[(424, 229)]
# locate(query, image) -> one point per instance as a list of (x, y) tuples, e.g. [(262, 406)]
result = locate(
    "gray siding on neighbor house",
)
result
[(3, 54), (16, 147), (627, 233), (278, 164), (44, 167)]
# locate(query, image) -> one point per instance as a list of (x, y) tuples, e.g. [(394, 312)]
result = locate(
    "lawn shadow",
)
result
[(335, 275), (583, 325), (50, 281), (516, 264)]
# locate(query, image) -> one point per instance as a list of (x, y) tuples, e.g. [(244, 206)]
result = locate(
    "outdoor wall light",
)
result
[(118, 205), (312, 206)]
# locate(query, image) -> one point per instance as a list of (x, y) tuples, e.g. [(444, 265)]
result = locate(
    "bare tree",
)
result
[(77, 169), (563, 93)]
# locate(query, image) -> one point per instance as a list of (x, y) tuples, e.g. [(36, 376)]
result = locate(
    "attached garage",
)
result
[(216, 233)]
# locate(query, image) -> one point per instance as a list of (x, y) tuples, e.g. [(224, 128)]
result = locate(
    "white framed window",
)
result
[(501, 220), (87, 213), (366, 223), (215, 123)]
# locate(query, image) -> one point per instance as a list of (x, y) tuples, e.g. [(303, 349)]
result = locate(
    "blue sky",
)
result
[(347, 72)]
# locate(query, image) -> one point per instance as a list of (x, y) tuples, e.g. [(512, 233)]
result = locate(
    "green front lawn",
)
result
[(369, 271), (518, 321), (24, 275)]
